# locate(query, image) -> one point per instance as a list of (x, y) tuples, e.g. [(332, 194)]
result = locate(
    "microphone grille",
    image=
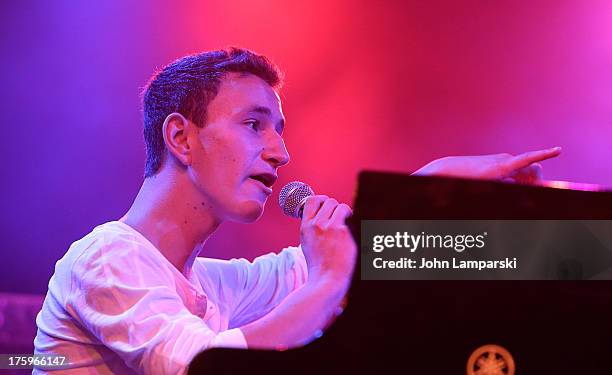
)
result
[(292, 196)]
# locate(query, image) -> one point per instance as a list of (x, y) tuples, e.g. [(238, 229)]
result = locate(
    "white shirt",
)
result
[(116, 305)]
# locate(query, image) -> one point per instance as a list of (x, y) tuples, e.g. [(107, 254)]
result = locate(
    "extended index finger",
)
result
[(528, 158)]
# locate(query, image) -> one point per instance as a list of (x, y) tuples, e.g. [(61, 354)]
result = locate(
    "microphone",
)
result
[(292, 198)]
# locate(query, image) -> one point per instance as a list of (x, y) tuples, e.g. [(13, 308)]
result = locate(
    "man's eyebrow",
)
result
[(260, 109), (267, 112)]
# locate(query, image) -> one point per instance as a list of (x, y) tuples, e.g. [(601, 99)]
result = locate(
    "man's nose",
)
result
[(275, 151)]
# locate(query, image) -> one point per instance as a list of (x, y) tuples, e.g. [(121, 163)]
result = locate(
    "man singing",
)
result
[(133, 296)]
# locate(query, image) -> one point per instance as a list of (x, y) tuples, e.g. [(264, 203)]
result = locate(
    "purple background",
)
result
[(390, 86)]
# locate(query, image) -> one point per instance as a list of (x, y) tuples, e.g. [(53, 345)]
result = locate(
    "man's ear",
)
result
[(175, 131)]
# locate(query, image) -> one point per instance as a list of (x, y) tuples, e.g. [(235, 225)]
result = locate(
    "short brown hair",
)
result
[(187, 85)]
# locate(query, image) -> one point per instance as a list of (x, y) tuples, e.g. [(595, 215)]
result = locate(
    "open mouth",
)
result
[(267, 179)]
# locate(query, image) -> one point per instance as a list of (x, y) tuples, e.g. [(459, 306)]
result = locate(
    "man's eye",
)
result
[(253, 124)]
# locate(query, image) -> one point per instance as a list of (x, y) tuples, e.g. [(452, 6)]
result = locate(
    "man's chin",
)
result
[(250, 212)]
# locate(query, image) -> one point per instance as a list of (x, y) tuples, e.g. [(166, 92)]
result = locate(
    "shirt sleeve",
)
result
[(252, 289), (127, 300)]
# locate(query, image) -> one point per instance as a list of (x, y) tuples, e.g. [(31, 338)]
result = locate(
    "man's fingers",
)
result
[(527, 158), (528, 175), (321, 208), (340, 214), (312, 206), (535, 170), (326, 210)]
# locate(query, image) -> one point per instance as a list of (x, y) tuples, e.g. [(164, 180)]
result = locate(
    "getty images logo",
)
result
[(414, 242)]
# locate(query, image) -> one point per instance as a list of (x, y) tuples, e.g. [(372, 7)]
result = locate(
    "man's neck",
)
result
[(167, 213)]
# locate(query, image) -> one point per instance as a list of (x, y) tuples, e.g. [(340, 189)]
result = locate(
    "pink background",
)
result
[(386, 85)]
